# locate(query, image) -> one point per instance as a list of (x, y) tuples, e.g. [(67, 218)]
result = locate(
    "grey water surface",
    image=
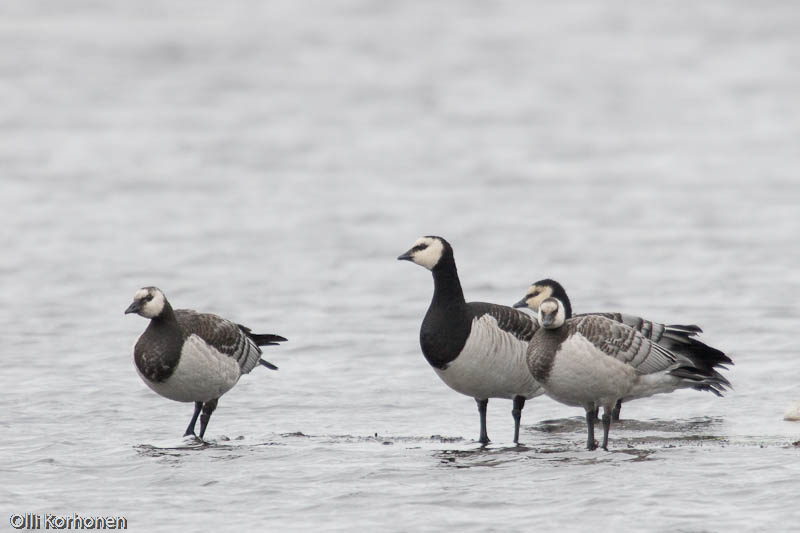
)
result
[(268, 161)]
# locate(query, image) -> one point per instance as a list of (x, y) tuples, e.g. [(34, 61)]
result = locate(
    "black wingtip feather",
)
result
[(691, 329), (707, 357), (702, 355), (262, 339), (267, 364), (267, 339)]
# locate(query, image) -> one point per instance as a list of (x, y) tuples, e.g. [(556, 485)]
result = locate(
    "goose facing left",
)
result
[(592, 361), (478, 349), (188, 356), (678, 339)]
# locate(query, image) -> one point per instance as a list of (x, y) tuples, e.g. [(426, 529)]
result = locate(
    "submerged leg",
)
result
[(484, 439), (590, 442), (190, 430), (516, 412), (606, 427), (208, 408), (615, 412)]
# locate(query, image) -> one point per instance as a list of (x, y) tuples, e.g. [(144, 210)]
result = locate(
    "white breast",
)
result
[(582, 374), (492, 364), (202, 374)]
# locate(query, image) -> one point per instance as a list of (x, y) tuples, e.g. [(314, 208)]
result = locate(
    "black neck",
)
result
[(446, 285), (448, 322), (167, 316)]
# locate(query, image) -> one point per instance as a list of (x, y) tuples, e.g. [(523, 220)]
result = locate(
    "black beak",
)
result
[(521, 303), (548, 320), (406, 256), (133, 308)]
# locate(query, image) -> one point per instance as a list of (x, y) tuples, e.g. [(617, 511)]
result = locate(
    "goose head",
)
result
[(552, 314), (541, 290), (428, 252), (148, 302)]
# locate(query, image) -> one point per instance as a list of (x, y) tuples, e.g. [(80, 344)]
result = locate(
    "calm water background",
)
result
[(268, 161)]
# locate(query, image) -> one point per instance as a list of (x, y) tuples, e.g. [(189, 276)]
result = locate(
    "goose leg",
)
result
[(484, 439), (615, 412), (516, 412), (606, 427), (190, 430), (590, 442), (208, 408)]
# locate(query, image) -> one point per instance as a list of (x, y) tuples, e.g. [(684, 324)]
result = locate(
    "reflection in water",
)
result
[(635, 440), (492, 457), (375, 438), (196, 445), (149, 450), (633, 433), (698, 424), (482, 456)]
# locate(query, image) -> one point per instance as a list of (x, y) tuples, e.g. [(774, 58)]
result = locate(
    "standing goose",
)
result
[(675, 338), (592, 361), (193, 357), (478, 349)]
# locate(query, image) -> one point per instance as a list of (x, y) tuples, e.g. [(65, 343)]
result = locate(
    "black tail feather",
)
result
[(709, 380)]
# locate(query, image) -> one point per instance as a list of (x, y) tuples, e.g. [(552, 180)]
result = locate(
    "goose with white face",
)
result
[(537, 293), (426, 252), (147, 302), (552, 314)]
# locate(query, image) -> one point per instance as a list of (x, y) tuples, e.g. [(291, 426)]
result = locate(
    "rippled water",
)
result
[(269, 161)]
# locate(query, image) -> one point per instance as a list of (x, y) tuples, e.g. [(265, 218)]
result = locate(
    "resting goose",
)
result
[(592, 361), (193, 357), (478, 349), (678, 339)]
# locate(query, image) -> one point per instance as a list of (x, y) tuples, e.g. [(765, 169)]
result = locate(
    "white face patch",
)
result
[(552, 314), (430, 254), (543, 292), (152, 307)]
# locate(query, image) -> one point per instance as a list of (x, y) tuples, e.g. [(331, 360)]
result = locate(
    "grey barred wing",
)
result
[(678, 339), (649, 330), (223, 335), (624, 343), (515, 322)]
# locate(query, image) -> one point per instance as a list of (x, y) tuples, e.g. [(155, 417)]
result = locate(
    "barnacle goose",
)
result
[(676, 338), (592, 361), (188, 356), (478, 349)]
